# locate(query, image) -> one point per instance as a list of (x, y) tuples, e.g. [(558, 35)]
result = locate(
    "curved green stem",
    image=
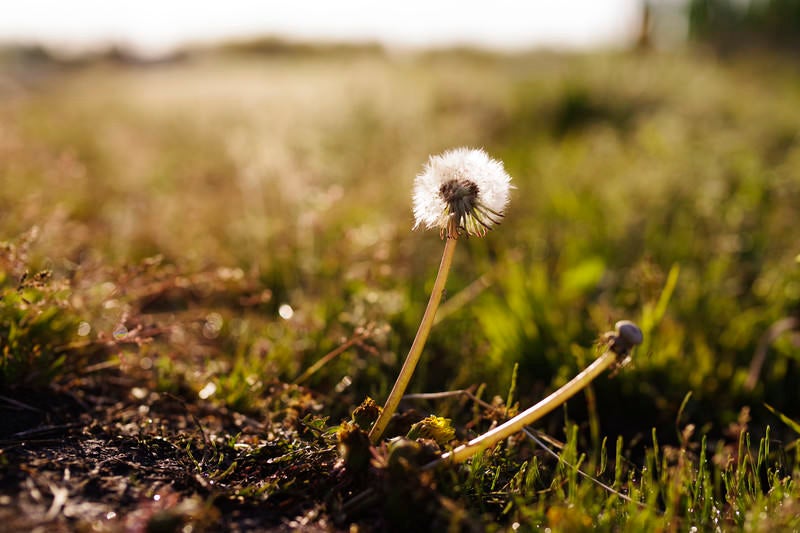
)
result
[(516, 424), (419, 342)]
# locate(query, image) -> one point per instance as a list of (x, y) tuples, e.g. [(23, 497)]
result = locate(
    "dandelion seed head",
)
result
[(462, 191)]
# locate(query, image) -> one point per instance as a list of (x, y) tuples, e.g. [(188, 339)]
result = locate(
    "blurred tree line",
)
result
[(734, 25)]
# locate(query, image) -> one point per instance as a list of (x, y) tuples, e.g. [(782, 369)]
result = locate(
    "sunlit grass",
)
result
[(663, 189)]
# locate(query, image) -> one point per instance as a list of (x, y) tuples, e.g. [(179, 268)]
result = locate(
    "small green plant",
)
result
[(461, 192), (37, 320)]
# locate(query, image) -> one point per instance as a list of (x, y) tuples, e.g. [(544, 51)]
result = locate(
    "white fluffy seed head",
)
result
[(462, 191)]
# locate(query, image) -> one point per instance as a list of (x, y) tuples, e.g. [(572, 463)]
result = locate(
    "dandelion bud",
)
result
[(434, 428), (628, 335), (366, 413)]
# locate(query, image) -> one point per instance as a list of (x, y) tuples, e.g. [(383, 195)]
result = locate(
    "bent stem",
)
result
[(419, 342), (518, 423)]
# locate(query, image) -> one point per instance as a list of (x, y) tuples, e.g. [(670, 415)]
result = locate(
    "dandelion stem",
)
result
[(530, 415), (419, 342)]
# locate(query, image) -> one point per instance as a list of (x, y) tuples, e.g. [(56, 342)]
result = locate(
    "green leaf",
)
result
[(582, 278), (795, 426)]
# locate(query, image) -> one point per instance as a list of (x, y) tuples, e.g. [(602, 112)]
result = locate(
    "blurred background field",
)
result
[(293, 169), (224, 217)]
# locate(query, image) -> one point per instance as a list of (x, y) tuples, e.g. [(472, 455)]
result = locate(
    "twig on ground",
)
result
[(46, 429), (19, 404), (360, 335)]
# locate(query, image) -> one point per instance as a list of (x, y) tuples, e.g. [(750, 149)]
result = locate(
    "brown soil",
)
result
[(107, 454)]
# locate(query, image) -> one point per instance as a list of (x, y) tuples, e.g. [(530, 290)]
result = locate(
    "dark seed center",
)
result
[(461, 193)]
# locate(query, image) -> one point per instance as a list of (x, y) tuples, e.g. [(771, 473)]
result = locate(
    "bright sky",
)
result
[(157, 25)]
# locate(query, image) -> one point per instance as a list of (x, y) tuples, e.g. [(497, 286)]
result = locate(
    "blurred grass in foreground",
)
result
[(658, 188)]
